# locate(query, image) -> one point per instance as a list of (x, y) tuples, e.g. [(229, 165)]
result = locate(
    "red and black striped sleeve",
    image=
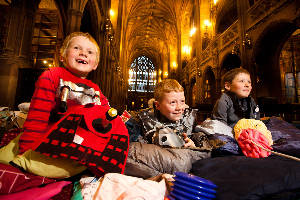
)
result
[(42, 102)]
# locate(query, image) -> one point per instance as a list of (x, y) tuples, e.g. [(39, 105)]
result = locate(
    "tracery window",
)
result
[(142, 75)]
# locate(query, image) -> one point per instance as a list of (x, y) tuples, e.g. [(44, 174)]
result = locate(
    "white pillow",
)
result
[(24, 107)]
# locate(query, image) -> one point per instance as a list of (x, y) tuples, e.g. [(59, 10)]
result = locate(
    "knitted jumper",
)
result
[(46, 99)]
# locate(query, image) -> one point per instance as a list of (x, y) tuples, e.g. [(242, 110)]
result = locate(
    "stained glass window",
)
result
[(142, 75)]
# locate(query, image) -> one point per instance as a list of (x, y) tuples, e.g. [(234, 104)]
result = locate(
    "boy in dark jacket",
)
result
[(236, 102)]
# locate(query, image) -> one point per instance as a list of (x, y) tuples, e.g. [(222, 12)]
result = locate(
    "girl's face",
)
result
[(172, 105), (240, 85), (81, 56)]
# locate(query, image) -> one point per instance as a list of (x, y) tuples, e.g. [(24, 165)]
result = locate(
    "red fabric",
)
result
[(79, 136), (13, 180), (91, 137), (248, 148), (44, 100), (9, 135), (65, 194), (37, 193)]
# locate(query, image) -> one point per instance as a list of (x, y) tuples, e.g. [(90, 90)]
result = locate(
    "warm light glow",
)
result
[(174, 64), (111, 13), (160, 72), (166, 74), (193, 31), (186, 49), (207, 23), (50, 65), (45, 61), (215, 2)]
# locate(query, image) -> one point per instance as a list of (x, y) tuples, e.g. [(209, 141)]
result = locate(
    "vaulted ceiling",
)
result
[(155, 27)]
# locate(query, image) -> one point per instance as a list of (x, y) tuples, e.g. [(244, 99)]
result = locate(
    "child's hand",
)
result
[(188, 141)]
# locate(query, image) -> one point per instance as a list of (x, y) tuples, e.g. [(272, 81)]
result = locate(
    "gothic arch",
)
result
[(266, 56), (229, 61), (92, 18), (226, 15)]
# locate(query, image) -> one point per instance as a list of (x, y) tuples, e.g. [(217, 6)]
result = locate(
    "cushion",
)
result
[(217, 130), (8, 152), (39, 164), (42, 165), (24, 107), (285, 135), (91, 135), (240, 177), (14, 180)]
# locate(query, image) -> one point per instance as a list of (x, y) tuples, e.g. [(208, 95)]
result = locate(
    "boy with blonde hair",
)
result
[(82, 129), (169, 116)]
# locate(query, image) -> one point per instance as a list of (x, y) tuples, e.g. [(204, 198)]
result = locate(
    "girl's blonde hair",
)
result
[(166, 86), (67, 40)]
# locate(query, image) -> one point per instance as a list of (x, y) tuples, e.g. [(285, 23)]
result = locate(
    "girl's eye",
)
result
[(76, 47), (90, 52)]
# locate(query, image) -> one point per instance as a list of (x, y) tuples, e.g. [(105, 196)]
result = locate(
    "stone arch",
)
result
[(91, 18), (266, 57), (226, 15), (230, 61), (61, 7)]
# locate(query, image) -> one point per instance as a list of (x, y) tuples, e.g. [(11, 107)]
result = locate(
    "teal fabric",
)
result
[(77, 191)]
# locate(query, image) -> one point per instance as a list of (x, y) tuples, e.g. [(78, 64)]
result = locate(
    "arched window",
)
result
[(142, 75)]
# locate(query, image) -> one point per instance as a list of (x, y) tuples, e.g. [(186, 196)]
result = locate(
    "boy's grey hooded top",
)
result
[(230, 109)]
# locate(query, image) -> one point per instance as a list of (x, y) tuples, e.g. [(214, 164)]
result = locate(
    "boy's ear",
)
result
[(227, 85), (95, 67)]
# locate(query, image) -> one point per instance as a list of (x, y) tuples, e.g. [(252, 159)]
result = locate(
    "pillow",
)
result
[(217, 130), (240, 177), (43, 165), (286, 136), (24, 107), (14, 180), (8, 152), (39, 164)]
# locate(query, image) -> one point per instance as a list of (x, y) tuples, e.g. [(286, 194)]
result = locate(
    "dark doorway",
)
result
[(26, 84), (209, 84), (267, 53)]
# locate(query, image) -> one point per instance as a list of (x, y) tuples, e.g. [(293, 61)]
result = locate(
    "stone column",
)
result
[(74, 20), (242, 10), (16, 51)]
